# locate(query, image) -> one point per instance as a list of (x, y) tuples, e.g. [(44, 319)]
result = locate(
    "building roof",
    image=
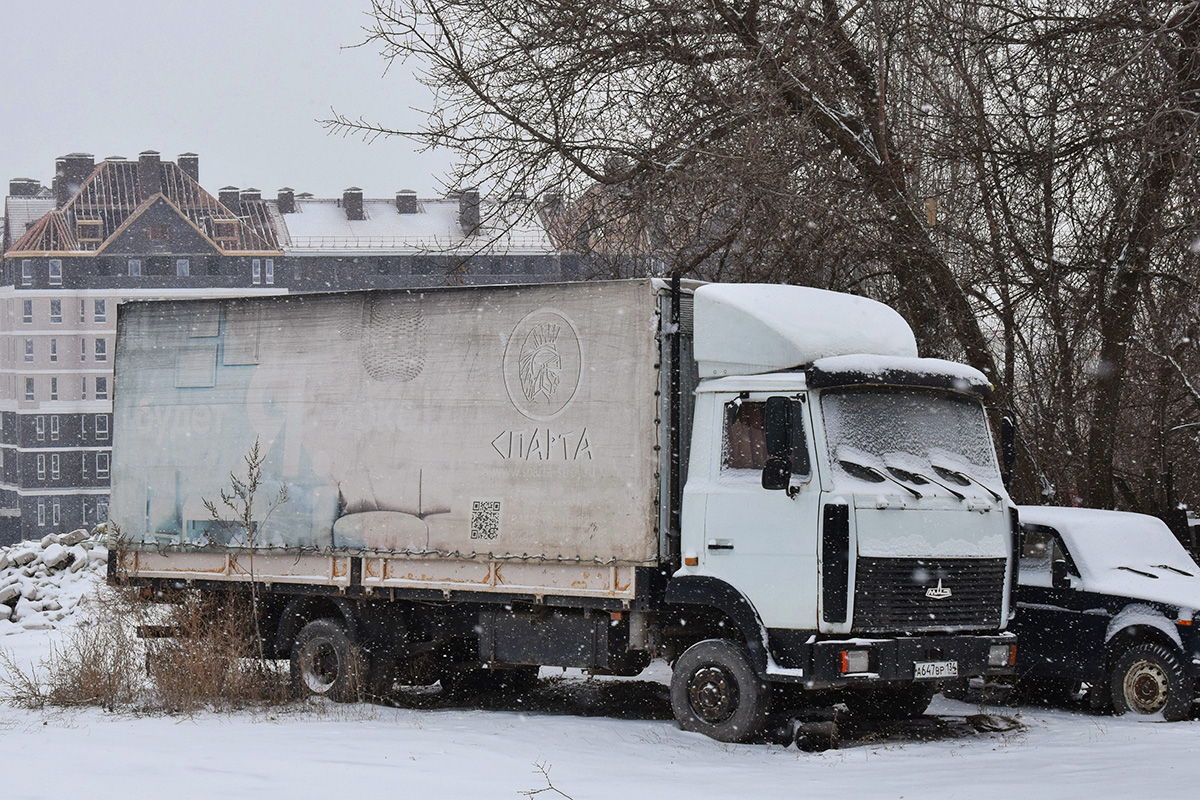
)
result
[(21, 212), (112, 196), (320, 226)]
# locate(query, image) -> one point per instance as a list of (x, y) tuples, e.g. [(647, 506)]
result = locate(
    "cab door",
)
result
[(762, 541)]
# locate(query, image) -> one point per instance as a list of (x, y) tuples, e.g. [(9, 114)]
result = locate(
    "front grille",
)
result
[(890, 593)]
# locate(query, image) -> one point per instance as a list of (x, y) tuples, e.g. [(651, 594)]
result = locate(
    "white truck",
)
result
[(763, 485)]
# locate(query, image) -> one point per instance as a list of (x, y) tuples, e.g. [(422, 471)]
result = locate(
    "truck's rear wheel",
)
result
[(715, 691), (1149, 679), (326, 663)]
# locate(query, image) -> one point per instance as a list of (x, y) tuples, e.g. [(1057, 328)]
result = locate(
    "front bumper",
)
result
[(894, 659)]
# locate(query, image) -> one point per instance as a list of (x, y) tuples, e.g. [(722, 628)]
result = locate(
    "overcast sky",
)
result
[(240, 82)]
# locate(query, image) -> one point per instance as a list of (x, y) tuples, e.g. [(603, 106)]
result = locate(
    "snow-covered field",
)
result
[(433, 750)]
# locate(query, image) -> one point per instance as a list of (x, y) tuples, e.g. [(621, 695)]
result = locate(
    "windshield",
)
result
[(908, 431)]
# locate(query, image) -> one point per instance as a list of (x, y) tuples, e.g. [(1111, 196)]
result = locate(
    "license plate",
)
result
[(935, 670)]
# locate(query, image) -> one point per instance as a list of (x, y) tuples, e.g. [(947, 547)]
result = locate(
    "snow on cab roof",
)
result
[(749, 328)]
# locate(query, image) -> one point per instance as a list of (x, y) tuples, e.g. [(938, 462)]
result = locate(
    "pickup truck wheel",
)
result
[(890, 702), (326, 663), (1149, 679), (715, 691)]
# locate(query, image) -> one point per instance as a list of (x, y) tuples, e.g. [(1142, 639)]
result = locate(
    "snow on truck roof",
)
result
[(749, 328)]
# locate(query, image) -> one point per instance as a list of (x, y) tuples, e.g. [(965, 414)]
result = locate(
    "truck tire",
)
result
[(890, 702), (1149, 678), (326, 663), (715, 691)]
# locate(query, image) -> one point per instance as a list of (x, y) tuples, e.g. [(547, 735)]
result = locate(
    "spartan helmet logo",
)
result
[(540, 362)]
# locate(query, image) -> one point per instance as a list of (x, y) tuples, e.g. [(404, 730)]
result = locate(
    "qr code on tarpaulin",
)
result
[(485, 519)]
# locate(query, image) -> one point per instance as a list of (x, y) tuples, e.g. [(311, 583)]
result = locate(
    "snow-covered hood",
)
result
[(1123, 554)]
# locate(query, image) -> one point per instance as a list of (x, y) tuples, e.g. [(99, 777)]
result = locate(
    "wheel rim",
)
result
[(1147, 687), (713, 694), (320, 667)]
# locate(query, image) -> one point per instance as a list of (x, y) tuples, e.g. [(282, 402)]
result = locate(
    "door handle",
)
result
[(720, 544)]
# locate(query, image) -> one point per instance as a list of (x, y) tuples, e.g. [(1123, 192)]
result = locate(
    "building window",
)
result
[(26, 273), (101, 350), (29, 349), (101, 388), (102, 510), (89, 230), (159, 233), (183, 267), (54, 427), (55, 511), (101, 465), (100, 307), (41, 511), (41, 466), (55, 471), (83, 349), (256, 270), (83, 468), (82, 310), (56, 272), (54, 349), (27, 311), (101, 427), (83, 387), (29, 388), (270, 265), (39, 425), (56, 312), (54, 388), (135, 266)]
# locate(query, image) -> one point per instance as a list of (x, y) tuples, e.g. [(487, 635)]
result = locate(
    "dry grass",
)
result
[(208, 662)]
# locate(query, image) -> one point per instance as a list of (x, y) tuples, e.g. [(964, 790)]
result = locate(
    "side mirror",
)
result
[(777, 474), (1058, 575), (777, 426), (1008, 448)]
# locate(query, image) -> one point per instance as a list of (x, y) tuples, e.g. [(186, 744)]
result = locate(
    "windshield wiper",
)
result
[(1139, 572), (928, 479), (969, 479), (885, 476), (1176, 570)]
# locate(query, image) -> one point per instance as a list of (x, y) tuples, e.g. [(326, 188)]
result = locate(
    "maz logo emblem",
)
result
[(938, 592)]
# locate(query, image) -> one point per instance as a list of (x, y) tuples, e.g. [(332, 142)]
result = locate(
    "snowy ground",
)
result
[(431, 750)]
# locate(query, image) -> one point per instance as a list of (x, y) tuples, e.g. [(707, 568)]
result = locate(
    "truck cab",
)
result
[(844, 501)]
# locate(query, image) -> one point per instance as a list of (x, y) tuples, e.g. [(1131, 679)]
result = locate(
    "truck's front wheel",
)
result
[(326, 663), (715, 691)]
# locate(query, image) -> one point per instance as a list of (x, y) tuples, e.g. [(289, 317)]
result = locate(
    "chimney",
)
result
[(352, 201), (285, 201), (77, 167), (59, 185), (190, 164), (230, 197), (23, 187), (149, 173), (406, 201), (468, 210)]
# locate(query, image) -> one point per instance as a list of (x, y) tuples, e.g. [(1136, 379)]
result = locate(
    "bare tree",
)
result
[(1017, 178)]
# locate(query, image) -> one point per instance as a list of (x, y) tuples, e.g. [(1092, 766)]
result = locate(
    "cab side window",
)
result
[(744, 445)]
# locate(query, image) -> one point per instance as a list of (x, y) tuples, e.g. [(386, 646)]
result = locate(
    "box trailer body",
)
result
[(744, 479)]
